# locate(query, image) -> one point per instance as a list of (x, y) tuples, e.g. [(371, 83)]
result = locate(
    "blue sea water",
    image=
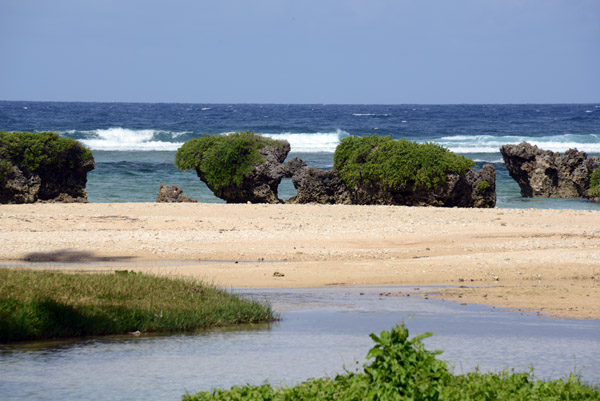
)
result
[(134, 143)]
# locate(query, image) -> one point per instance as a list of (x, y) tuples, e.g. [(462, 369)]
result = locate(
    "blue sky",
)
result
[(301, 51)]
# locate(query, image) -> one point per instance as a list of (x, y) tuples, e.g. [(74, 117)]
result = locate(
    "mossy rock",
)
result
[(396, 165), (35, 151), (224, 160), (58, 167)]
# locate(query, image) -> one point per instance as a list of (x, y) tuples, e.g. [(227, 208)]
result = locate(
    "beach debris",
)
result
[(278, 274)]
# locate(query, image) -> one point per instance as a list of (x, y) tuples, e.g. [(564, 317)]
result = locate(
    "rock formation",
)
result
[(57, 173), (543, 173), (473, 189), (260, 186), (174, 194), (64, 185), (319, 186), (258, 167)]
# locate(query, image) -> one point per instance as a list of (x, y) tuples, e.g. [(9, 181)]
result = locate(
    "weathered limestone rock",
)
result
[(459, 191), (261, 185), (172, 194), (543, 173), (19, 187), (319, 186), (64, 184), (263, 168), (473, 189)]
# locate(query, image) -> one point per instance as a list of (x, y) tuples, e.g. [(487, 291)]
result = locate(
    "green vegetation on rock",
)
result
[(595, 183), (483, 186), (403, 369), (37, 151), (223, 160), (395, 165), (40, 305)]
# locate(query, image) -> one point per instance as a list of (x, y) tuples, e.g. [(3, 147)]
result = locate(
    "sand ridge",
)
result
[(542, 260)]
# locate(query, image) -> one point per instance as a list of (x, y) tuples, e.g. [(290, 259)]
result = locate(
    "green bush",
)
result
[(395, 165), (37, 151), (483, 186), (595, 183), (223, 160), (403, 368), (404, 371)]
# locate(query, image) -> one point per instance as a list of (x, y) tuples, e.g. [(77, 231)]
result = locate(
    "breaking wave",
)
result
[(312, 142), (589, 143), (125, 139)]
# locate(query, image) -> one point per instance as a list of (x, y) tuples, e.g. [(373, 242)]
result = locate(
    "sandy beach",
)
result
[(547, 261)]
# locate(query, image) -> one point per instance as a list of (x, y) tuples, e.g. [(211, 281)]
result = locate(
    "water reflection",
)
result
[(322, 332)]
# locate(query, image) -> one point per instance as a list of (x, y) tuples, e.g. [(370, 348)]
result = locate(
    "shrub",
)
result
[(223, 160), (404, 371), (483, 186), (37, 151), (403, 368), (595, 183), (395, 165)]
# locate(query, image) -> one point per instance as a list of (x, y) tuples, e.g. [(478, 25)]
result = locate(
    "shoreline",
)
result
[(546, 261)]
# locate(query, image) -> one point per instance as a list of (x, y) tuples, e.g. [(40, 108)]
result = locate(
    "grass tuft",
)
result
[(41, 305)]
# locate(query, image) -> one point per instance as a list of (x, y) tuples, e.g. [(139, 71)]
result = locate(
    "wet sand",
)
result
[(539, 260)]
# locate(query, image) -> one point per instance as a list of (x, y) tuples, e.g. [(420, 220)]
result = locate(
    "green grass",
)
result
[(403, 369), (39, 151), (42, 305), (223, 160), (396, 165)]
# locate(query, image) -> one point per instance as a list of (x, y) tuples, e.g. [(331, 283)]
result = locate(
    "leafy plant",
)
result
[(223, 160), (395, 165), (404, 370)]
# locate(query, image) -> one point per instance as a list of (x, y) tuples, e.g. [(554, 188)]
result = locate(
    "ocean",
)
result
[(134, 144)]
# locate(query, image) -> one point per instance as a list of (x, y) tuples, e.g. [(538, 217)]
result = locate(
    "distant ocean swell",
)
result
[(124, 139)]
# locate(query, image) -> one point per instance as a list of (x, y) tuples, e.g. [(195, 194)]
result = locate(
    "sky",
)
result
[(301, 51)]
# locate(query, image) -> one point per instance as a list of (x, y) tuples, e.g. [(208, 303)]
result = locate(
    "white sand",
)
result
[(544, 260)]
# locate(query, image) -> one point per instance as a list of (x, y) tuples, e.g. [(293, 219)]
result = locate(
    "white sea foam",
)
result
[(491, 144), (370, 115), (493, 160), (124, 139), (312, 142)]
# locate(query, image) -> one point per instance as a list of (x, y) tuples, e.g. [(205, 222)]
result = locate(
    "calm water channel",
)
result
[(322, 332)]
